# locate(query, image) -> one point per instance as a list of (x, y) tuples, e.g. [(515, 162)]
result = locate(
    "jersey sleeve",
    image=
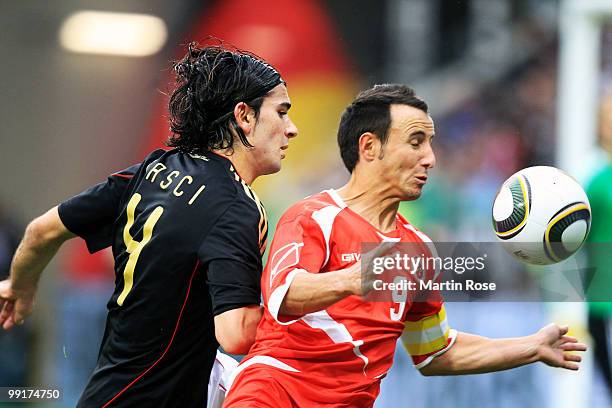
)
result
[(91, 214), (427, 333), (230, 255), (298, 247)]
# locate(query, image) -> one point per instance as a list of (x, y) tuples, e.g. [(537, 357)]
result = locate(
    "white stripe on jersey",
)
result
[(388, 239), (292, 249), (336, 197), (336, 331), (276, 298), (325, 218), (265, 360)]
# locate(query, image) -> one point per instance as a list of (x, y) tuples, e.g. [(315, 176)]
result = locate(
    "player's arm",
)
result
[(231, 257), (296, 284), (235, 329), (235, 293), (89, 215), (42, 238), (311, 292), (473, 354), (293, 281)]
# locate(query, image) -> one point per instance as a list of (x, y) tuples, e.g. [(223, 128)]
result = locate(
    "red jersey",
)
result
[(342, 352)]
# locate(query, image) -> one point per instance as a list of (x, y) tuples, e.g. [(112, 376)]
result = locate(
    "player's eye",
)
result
[(415, 142), (282, 113), (416, 139)]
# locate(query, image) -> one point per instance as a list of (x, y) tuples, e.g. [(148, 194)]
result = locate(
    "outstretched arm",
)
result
[(473, 354), (42, 238)]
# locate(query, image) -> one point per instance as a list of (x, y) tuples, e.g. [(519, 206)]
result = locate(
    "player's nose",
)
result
[(292, 130), (429, 158)]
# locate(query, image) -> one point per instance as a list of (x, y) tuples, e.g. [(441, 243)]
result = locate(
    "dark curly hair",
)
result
[(370, 111), (211, 81)]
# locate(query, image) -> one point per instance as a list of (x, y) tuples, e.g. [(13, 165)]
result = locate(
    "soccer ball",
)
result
[(541, 215)]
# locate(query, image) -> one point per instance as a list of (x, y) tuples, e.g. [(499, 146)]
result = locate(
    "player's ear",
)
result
[(369, 146), (245, 117)]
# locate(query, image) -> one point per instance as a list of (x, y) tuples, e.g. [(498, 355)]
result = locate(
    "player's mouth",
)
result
[(421, 179), (283, 148)]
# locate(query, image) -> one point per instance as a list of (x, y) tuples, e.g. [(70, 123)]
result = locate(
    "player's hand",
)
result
[(15, 305), (363, 272), (554, 347)]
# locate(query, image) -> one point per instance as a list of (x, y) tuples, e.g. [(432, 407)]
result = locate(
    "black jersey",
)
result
[(187, 235)]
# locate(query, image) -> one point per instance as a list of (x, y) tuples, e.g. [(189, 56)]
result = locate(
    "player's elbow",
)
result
[(236, 329), (35, 234), (290, 308), (233, 345), (428, 371), (40, 233), (440, 365)]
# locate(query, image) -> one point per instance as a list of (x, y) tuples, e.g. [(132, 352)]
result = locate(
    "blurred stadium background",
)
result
[(510, 83)]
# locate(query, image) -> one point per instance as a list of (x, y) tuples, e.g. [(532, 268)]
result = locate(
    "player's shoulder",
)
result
[(216, 171), (155, 156), (305, 208), (412, 230), (212, 175)]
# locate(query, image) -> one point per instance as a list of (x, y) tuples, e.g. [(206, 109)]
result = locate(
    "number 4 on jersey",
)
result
[(134, 248)]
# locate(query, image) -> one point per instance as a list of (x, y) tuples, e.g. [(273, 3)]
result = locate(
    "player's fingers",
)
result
[(572, 357), (6, 311), (3, 315), (563, 330), (22, 310), (569, 365), (381, 250), (385, 248), (569, 339), (5, 289), (573, 347), (8, 323)]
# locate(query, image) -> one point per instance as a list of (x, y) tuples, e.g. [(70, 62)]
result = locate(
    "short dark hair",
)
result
[(370, 111), (210, 82)]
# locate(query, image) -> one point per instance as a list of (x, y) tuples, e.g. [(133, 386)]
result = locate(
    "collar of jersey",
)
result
[(392, 236), (231, 167)]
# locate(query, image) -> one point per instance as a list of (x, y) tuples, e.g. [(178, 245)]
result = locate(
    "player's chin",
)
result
[(273, 167), (412, 193)]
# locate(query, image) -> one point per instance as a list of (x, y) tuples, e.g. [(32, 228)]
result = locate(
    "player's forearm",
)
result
[(473, 354), (250, 321), (311, 292), (236, 329), (40, 243)]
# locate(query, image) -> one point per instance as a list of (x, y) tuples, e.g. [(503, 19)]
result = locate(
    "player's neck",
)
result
[(371, 201), (241, 164)]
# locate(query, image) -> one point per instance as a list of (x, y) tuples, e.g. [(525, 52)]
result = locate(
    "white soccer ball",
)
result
[(541, 215)]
